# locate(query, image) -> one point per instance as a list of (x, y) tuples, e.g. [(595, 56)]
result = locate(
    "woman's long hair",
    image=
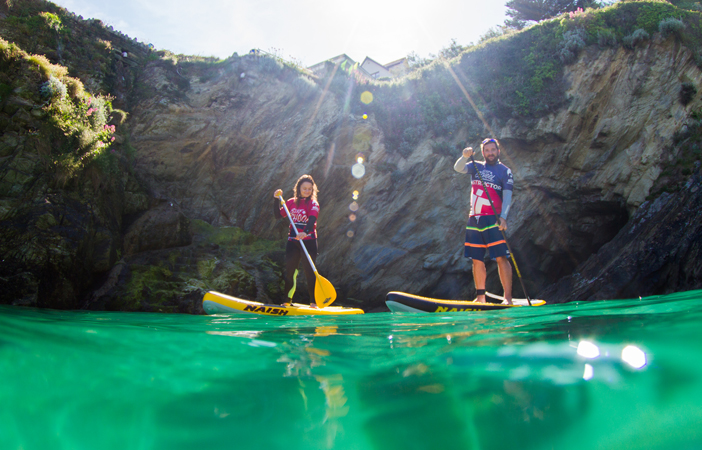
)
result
[(298, 184)]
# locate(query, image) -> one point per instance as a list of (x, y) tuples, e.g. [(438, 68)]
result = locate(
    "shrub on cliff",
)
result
[(572, 42), (75, 87), (671, 26), (635, 38), (606, 38), (53, 88)]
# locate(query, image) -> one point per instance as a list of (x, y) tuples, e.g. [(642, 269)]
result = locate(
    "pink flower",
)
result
[(113, 139), (572, 14), (90, 111)]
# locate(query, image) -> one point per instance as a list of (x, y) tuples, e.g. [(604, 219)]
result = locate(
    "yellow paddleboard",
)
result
[(218, 303)]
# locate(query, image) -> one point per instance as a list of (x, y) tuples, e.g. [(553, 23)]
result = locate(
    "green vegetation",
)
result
[(520, 12), (89, 50), (224, 259), (509, 75), (76, 123)]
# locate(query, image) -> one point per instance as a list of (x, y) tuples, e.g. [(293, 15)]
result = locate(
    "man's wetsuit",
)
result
[(482, 232)]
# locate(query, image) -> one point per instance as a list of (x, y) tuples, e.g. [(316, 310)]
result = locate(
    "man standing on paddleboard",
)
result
[(491, 196)]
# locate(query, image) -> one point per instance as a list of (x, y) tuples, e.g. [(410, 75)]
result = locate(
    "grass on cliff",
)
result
[(90, 50), (70, 120)]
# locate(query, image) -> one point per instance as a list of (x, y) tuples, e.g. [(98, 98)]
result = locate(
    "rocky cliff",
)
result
[(603, 157)]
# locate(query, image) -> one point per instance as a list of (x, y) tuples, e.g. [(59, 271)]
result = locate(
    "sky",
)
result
[(303, 31)]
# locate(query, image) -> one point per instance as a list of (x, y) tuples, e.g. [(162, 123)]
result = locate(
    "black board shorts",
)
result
[(482, 233)]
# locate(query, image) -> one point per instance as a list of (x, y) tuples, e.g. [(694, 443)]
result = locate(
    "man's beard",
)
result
[(491, 159)]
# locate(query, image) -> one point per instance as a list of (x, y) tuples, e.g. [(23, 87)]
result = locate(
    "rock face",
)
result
[(659, 251), (222, 146), (589, 167), (163, 226), (208, 143)]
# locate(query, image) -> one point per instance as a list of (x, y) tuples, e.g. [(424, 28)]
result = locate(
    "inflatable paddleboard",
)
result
[(403, 302), (217, 303)]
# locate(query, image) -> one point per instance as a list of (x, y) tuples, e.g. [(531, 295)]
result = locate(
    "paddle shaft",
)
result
[(292, 223), (497, 220)]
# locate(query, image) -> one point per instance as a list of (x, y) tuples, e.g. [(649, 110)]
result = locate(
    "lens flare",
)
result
[(353, 206), (588, 373), (354, 195), (358, 170), (588, 350), (366, 97), (349, 233), (365, 116), (352, 217), (634, 356)]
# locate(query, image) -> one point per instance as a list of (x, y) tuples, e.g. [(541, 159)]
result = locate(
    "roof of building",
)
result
[(396, 62), (335, 59)]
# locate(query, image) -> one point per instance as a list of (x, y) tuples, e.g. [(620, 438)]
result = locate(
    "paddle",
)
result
[(324, 292), (497, 219)]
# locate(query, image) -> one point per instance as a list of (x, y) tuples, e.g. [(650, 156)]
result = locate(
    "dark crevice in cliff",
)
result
[(657, 252)]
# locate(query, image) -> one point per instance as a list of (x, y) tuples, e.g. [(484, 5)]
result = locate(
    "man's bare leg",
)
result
[(479, 276), (505, 270)]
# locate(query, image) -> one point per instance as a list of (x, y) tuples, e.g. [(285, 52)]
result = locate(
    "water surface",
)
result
[(609, 375)]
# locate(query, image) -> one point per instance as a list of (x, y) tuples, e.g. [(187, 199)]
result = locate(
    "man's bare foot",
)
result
[(480, 299), (507, 301)]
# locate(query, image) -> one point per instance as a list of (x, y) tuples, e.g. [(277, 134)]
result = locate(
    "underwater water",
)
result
[(623, 374)]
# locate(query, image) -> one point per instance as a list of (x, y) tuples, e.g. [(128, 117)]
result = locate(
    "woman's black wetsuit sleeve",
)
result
[(276, 209), (309, 228)]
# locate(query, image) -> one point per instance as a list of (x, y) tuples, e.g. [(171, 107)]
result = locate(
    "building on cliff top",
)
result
[(370, 68)]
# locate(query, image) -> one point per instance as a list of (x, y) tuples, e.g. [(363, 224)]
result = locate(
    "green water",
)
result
[(491, 380)]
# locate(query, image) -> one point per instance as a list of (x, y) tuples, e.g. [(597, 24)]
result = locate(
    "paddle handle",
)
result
[(497, 220), (292, 223)]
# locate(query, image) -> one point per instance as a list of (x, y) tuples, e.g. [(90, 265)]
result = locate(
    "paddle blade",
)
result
[(324, 292)]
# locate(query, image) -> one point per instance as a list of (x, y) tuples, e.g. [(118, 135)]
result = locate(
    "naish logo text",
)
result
[(273, 311), (447, 309)]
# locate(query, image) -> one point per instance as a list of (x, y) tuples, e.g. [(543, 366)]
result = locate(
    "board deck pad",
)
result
[(218, 303), (403, 302)]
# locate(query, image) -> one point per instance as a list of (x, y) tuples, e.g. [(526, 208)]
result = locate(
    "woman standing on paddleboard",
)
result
[(304, 210)]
